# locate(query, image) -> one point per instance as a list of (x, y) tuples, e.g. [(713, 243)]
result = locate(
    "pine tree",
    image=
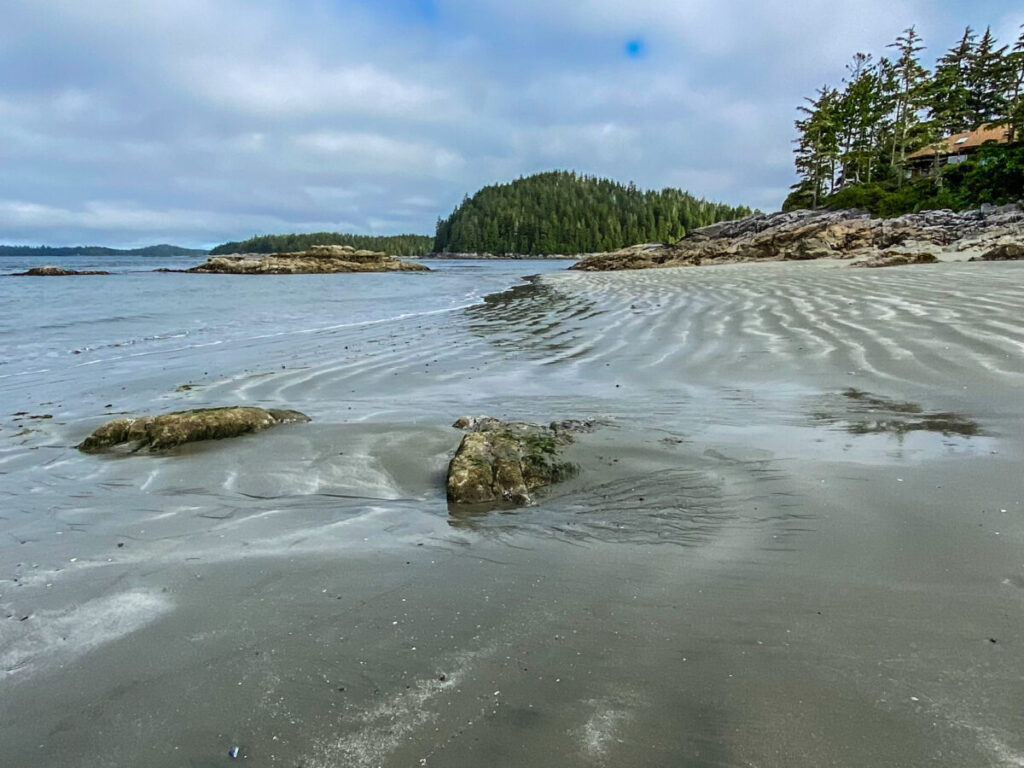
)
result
[(1015, 88), (912, 81), (987, 75), (950, 93)]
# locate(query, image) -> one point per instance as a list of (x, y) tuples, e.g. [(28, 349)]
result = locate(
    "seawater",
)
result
[(794, 539)]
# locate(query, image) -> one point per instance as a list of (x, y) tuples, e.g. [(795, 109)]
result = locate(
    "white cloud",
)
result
[(366, 152), (197, 121), (298, 86)]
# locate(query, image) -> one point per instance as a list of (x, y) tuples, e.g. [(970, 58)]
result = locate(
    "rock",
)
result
[(319, 259), (156, 433), (897, 259), (50, 270), (801, 235), (503, 461), (1004, 252)]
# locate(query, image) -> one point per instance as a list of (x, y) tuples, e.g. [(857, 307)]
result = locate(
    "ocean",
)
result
[(795, 538)]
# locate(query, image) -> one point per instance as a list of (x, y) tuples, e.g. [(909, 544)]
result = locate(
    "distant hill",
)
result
[(561, 212), (97, 250), (395, 245)]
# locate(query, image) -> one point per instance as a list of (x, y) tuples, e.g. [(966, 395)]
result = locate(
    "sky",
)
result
[(131, 122)]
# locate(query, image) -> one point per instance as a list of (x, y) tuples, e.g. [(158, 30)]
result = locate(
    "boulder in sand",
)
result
[(504, 461), (156, 433)]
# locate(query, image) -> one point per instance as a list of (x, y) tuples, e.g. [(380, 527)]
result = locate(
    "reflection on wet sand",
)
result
[(861, 413)]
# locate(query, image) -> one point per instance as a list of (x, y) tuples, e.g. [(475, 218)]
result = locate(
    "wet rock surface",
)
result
[(50, 270), (1004, 252), (319, 259), (157, 433), (505, 461), (897, 259), (846, 234)]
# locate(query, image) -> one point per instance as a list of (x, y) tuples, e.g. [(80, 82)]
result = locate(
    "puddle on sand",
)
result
[(862, 413)]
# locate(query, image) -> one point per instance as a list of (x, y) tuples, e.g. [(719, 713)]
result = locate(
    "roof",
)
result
[(965, 142)]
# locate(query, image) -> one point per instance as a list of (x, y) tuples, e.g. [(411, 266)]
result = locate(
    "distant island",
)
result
[(563, 212), (45, 251), (393, 245)]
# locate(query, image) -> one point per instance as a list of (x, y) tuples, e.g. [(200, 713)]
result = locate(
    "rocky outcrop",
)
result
[(846, 234), (1004, 252), (504, 461), (157, 433), (319, 259), (51, 271), (896, 259)]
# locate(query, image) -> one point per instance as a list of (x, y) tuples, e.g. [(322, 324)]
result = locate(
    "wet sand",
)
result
[(795, 541)]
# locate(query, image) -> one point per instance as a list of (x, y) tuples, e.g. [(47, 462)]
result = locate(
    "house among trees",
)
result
[(954, 149)]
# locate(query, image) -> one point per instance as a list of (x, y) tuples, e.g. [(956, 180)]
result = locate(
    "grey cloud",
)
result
[(196, 122)]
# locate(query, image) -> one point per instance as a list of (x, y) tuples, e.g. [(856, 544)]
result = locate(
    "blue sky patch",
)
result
[(636, 48)]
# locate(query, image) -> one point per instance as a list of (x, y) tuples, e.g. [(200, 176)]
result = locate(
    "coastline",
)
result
[(769, 508)]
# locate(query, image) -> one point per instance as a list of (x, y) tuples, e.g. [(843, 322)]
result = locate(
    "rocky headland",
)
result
[(168, 430), (319, 259), (988, 233)]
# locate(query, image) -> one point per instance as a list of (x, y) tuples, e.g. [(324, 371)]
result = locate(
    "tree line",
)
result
[(564, 212), (854, 140), (45, 251), (396, 245)]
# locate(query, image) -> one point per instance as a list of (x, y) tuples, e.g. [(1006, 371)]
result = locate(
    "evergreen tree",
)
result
[(1015, 88), (564, 212), (949, 97), (987, 75), (912, 81)]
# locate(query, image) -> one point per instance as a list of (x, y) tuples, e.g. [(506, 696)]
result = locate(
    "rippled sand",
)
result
[(795, 540)]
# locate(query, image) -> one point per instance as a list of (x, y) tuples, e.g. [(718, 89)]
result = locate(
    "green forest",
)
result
[(854, 141), (396, 245), (561, 212), (97, 250)]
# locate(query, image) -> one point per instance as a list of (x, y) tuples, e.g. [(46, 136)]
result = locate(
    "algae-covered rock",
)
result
[(502, 461), (156, 433)]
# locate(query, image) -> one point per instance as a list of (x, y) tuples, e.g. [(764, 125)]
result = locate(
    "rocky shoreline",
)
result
[(319, 259), (506, 256), (988, 233)]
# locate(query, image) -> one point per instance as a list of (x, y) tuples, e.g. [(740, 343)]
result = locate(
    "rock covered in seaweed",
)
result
[(156, 433), (319, 259), (504, 461)]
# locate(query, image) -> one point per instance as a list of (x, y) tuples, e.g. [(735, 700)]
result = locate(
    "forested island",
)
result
[(898, 138), (562, 212), (46, 251), (395, 245)]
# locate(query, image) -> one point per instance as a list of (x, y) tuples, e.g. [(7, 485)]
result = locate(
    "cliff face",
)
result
[(319, 259), (847, 234)]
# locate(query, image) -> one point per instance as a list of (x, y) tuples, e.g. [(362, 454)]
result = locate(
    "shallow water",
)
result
[(794, 541)]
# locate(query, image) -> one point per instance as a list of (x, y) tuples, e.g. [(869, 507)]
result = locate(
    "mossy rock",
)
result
[(504, 462), (157, 433)]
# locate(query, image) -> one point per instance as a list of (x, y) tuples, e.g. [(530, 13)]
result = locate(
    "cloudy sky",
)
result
[(129, 122)]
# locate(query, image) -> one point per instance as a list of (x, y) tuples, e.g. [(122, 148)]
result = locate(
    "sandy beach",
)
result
[(794, 541)]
